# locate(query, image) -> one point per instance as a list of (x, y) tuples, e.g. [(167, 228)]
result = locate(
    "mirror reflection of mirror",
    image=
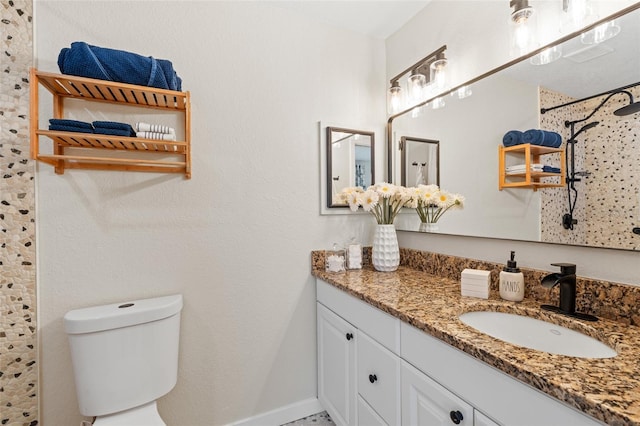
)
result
[(350, 162), (420, 161), (606, 155)]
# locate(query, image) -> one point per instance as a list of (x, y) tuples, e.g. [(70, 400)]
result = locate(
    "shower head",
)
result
[(582, 129), (632, 108), (586, 127)]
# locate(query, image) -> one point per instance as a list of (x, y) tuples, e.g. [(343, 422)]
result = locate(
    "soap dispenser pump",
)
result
[(512, 281)]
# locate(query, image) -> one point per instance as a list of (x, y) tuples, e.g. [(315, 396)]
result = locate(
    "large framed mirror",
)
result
[(606, 158), (350, 162)]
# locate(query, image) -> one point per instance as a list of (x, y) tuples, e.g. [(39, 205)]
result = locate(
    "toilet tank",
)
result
[(124, 354)]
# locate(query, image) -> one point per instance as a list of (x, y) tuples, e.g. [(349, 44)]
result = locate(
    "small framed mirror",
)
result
[(420, 164), (350, 162)]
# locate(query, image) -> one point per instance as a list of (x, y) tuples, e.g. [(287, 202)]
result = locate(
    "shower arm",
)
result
[(568, 123)]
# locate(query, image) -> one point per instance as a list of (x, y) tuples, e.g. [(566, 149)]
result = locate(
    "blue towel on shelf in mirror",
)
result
[(105, 128), (512, 137), (542, 138), (70, 123), (84, 60), (550, 169), (61, 128), (114, 132)]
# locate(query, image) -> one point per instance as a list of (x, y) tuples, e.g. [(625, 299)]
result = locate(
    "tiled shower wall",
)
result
[(608, 204), (18, 367)]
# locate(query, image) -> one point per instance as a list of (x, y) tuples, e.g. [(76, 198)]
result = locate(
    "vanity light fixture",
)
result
[(577, 11), (423, 76), (602, 32), (523, 27)]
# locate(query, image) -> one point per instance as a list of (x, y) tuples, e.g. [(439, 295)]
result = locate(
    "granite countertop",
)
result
[(606, 389)]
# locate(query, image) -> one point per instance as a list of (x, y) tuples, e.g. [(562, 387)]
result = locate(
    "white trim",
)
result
[(283, 415)]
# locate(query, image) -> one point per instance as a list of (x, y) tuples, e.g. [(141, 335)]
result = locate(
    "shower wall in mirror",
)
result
[(607, 156)]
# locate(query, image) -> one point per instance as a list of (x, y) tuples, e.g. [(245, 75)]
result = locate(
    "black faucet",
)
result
[(566, 279)]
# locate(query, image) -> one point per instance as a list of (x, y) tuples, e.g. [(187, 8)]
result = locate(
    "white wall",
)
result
[(475, 33), (235, 240)]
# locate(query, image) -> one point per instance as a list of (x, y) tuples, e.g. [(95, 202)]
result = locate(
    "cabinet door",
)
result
[(336, 366), (480, 419), (367, 415), (426, 403), (379, 378)]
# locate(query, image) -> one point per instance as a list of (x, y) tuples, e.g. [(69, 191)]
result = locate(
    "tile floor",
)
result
[(320, 419)]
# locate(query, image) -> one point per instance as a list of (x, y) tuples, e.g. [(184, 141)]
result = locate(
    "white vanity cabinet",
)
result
[(336, 366), (359, 376), (375, 370)]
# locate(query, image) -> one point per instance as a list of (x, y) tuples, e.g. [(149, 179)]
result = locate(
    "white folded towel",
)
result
[(157, 128), (522, 168), (156, 136)]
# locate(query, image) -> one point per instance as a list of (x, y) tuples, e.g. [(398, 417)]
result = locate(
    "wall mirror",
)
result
[(607, 155), (420, 161), (350, 162)]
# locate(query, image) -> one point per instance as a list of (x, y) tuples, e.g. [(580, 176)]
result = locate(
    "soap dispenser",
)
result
[(512, 281)]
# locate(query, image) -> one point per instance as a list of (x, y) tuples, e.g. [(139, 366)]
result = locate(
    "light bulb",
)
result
[(577, 11), (523, 26), (438, 73), (416, 87), (394, 98)]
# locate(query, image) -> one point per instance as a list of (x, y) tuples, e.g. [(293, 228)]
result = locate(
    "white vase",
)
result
[(428, 226), (385, 254)]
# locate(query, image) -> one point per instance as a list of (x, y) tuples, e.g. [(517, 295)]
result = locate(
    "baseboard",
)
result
[(283, 415)]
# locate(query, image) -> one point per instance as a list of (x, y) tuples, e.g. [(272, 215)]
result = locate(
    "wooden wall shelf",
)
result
[(531, 154), (99, 147)]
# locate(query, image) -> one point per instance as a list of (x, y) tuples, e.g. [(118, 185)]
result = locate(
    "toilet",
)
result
[(125, 357)]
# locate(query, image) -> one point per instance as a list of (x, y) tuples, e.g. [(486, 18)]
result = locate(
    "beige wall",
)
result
[(235, 240)]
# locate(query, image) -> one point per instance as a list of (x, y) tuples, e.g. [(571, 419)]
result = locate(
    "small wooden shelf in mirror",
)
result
[(530, 178), (107, 152)]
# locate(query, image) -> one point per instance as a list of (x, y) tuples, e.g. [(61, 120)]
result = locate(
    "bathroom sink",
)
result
[(537, 334)]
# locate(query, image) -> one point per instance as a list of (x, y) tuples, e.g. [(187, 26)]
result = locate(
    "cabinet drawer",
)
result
[(367, 415), (379, 378), (384, 328), (427, 403)]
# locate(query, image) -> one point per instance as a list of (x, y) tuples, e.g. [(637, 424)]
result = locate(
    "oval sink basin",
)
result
[(537, 334)]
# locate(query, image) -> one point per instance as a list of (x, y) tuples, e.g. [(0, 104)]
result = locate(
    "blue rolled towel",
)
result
[(114, 132), (512, 137), (61, 128), (84, 60), (543, 138), (71, 123), (550, 169)]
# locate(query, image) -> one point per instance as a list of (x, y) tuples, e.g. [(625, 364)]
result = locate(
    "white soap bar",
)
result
[(475, 293), (476, 274)]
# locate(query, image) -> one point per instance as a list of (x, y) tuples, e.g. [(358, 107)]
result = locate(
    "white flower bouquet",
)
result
[(383, 200), (433, 202)]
